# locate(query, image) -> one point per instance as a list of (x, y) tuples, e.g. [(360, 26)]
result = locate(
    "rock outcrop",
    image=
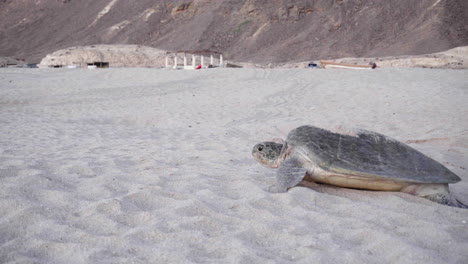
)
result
[(113, 55), (456, 58), (6, 61)]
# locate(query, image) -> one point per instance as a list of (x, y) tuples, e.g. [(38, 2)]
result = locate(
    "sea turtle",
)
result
[(361, 160)]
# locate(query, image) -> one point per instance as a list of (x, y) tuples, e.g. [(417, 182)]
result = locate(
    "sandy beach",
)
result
[(154, 166)]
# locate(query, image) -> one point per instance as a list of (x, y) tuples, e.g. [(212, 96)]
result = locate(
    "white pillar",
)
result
[(211, 59), (220, 59), (175, 62), (185, 61), (167, 61), (201, 58), (194, 61)]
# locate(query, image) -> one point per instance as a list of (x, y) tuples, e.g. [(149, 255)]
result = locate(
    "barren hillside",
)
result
[(250, 30)]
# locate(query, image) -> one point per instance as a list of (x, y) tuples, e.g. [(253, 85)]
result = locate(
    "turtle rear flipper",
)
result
[(458, 204), (438, 193), (290, 173), (446, 199)]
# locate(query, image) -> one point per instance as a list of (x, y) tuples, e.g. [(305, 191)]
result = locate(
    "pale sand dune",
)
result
[(154, 166)]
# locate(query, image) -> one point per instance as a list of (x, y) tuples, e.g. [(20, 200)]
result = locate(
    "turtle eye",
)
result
[(260, 147)]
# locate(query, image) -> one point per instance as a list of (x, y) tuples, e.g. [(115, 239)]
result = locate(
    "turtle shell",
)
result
[(368, 154)]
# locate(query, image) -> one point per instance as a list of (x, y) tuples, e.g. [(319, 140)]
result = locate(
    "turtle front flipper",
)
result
[(290, 173)]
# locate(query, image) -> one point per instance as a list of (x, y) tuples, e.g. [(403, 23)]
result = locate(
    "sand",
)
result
[(154, 166)]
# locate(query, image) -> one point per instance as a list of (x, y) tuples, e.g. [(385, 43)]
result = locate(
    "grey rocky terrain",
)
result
[(258, 31)]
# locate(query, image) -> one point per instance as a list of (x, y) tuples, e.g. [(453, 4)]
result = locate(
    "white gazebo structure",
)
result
[(214, 62)]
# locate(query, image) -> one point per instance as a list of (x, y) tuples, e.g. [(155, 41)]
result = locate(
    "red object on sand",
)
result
[(198, 67)]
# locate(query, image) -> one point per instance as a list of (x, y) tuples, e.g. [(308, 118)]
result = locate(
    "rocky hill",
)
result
[(249, 30)]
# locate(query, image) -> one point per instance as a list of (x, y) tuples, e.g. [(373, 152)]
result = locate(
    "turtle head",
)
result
[(267, 153)]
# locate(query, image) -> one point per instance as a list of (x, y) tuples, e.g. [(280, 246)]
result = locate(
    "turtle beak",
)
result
[(264, 162), (258, 157)]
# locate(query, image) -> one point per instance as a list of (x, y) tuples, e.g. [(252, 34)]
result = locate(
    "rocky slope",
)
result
[(251, 30)]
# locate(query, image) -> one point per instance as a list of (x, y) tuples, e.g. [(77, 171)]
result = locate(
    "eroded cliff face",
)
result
[(250, 30)]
